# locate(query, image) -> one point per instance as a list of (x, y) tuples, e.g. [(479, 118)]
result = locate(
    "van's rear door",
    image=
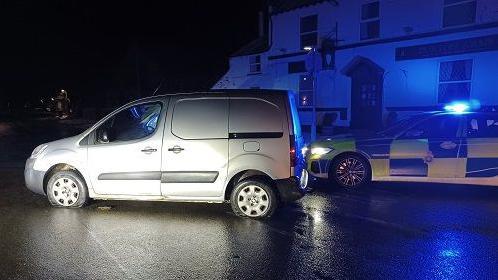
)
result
[(297, 139)]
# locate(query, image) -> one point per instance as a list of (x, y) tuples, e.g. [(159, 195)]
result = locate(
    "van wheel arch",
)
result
[(242, 175), (56, 168)]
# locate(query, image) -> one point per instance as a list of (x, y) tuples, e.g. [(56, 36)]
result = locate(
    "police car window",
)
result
[(132, 123), (482, 126), (401, 125), (445, 126)]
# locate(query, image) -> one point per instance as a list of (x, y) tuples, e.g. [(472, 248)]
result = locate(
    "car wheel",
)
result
[(67, 189), (350, 171), (254, 199)]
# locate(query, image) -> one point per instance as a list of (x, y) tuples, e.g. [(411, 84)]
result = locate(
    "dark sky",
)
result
[(83, 46)]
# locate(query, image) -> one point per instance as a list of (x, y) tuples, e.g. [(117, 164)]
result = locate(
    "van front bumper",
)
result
[(290, 189), (33, 178)]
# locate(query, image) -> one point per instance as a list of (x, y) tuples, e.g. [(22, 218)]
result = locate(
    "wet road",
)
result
[(385, 231)]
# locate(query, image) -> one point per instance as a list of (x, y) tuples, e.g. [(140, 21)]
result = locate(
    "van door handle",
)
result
[(176, 149), (149, 150)]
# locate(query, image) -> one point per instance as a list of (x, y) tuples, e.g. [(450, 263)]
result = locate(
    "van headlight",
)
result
[(320, 151), (38, 150)]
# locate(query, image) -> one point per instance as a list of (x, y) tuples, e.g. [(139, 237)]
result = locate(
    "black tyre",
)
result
[(67, 189), (254, 199), (350, 171)]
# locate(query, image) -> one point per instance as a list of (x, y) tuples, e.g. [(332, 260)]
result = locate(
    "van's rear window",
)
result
[(254, 115)]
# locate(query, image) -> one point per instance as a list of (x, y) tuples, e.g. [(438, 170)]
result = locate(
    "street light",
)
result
[(313, 51)]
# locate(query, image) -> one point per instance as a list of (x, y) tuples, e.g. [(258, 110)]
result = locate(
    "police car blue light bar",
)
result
[(457, 107)]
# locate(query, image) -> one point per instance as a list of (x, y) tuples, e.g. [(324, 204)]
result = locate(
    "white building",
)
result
[(374, 57)]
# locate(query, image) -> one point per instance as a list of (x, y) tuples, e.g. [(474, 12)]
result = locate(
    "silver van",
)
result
[(237, 146)]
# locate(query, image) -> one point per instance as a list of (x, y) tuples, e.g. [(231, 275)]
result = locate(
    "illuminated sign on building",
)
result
[(471, 45)]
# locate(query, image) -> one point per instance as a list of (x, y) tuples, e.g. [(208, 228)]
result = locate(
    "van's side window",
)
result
[(200, 118), (132, 123), (251, 115)]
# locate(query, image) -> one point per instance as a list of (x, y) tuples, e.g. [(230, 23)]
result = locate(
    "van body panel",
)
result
[(195, 146), (262, 121), (244, 161)]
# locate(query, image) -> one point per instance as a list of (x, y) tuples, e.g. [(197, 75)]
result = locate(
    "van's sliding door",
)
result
[(195, 148)]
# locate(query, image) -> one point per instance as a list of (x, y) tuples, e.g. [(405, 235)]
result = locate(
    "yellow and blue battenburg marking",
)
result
[(432, 158), (378, 151), (481, 157)]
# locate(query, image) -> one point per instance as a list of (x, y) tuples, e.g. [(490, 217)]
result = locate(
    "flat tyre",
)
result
[(67, 189), (253, 199)]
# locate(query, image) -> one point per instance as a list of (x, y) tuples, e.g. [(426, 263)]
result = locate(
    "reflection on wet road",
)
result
[(386, 231)]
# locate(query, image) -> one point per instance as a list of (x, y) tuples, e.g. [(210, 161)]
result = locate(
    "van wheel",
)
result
[(67, 189), (350, 171), (254, 199)]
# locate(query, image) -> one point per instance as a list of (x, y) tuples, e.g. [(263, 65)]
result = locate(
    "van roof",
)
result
[(227, 91), (247, 91)]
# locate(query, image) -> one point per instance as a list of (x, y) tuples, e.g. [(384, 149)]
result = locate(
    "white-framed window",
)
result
[(459, 12), (370, 21), (255, 64), (308, 31), (455, 80), (305, 91)]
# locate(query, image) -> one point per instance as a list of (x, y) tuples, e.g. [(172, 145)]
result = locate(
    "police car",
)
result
[(441, 147)]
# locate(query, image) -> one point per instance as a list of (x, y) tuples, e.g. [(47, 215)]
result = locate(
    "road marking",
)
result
[(112, 256)]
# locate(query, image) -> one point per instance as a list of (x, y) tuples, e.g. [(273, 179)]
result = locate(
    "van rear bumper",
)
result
[(289, 189)]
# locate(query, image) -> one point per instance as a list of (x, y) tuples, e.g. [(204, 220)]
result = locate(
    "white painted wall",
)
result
[(406, 83)]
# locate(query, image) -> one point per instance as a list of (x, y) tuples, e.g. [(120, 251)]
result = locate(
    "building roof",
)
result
[(277, 6), (256, 46), (281, 6)]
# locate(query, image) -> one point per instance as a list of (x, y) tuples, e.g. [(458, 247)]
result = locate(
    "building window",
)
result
[(454, 80), (296, 67), (305, 91), (309, 31), (255, 64), (459, 12), (370, 21)]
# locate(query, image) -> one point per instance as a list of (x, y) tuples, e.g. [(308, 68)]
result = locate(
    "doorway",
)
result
[(366, 93)]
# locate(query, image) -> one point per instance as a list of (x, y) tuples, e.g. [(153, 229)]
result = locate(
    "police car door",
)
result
[(427, 150), (480, 149)]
